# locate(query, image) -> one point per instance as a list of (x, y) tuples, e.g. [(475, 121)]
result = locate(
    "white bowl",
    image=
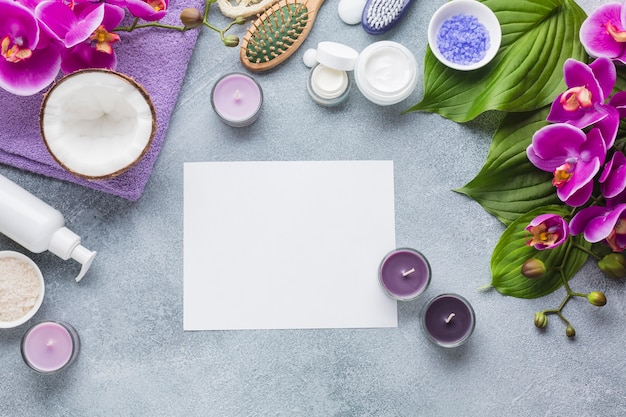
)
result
[(468, 8), (27, 316)]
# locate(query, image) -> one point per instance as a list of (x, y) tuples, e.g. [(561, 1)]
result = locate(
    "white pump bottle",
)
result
[(38, 227)]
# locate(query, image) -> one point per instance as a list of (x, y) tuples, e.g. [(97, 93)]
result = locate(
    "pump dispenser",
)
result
[(37, 226)]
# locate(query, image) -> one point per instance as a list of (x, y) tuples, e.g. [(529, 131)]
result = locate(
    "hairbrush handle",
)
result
[(278, 33)]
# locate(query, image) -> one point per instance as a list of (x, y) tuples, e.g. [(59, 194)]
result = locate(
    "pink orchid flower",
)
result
[(572, 156), (62, 23), (149, 10), (583, 104), (547, 231), (598, 223), (29, 60), (603, 33), (96, 51)]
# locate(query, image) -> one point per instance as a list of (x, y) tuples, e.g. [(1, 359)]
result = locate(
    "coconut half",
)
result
[(97, 123)]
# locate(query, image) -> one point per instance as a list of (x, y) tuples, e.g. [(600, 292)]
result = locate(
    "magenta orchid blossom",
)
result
[(603, 33), (598, 223), (149, 10), (68, 27), (613, 178), (96, 51), (29, 60), (40, 38), (547, 231), (583, 104), (572, 156)]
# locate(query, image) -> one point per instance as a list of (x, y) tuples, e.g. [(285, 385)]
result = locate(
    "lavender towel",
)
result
[(156, 58)]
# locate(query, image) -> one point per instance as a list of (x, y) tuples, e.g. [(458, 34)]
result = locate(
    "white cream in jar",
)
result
[(386, 72), (329, 83)]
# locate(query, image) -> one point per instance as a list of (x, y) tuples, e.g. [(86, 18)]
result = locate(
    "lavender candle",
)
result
[(50, 346), (237, 99), (404, 274), (448, 320)]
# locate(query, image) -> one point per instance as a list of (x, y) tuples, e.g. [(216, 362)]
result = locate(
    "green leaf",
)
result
[(508, 185), (526, 74), (511, 252)]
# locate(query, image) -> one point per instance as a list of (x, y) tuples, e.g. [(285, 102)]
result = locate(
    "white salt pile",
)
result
[(20, 288)]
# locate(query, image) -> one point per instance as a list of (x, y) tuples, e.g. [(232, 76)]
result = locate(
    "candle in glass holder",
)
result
[(404, 274), (50, 346), (237, 99), (448, 320)]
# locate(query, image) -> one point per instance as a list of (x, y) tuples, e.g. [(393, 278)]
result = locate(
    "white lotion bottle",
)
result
[(38, 227)]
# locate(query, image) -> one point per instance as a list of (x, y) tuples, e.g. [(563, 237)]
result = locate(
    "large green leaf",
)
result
[(511, 253), (526, 74), (508, 185)]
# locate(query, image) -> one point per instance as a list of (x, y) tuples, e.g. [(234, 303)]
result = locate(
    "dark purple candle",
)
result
[(404, 273), (448, 320)]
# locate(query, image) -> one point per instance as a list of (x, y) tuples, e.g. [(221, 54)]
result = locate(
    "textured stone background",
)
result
[(136, 359)]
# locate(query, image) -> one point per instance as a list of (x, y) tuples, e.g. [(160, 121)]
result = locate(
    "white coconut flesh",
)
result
[(97, 123)]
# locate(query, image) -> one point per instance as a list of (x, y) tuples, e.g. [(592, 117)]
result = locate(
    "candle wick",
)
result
[(449, 318), (409, 272), (237, 95), (49, 343)]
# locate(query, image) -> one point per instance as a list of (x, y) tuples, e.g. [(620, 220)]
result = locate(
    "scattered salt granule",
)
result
[(462, 39), (19, 288)]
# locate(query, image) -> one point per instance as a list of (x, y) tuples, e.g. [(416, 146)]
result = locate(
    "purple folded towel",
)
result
[(156, 58)]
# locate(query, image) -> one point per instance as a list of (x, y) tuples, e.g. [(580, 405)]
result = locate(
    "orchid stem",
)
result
[(205, 22), (587, 251), (569, 293), (147, 25)]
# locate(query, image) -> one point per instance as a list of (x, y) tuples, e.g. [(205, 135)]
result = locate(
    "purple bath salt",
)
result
[(462, 39)]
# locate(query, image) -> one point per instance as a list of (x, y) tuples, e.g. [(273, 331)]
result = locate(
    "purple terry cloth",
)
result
[(156, 58)]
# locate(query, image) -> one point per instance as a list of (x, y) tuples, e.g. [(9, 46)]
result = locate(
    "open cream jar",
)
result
[(385, 72), (329, 84)]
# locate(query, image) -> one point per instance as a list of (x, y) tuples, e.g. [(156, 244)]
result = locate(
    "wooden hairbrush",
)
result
[(278, 33)]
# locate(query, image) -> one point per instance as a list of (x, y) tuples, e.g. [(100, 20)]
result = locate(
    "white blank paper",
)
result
[(287, 245)]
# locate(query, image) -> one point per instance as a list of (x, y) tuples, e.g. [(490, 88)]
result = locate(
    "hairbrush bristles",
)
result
[(381, 15), (277, 33)]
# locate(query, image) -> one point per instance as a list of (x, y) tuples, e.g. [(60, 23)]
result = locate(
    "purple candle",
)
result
[(50, 346), (448, 320), (404, 273), (237, 99)]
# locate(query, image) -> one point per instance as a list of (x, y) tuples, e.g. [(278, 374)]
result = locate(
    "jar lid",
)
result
[(336, 55)]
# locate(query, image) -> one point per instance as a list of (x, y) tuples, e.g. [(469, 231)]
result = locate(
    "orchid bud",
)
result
[(231, 40), (541, 320), (597, 298), (570, 331), (613, 265), (533, 269), (191, 17), (240, 20)]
